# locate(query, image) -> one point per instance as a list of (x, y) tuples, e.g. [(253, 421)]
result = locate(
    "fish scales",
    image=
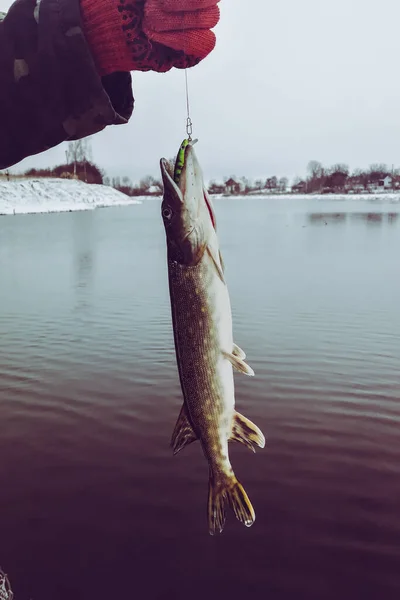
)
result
[(202, 325), (201, 315)]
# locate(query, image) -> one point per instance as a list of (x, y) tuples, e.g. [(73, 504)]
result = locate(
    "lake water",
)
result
[(92, 503)]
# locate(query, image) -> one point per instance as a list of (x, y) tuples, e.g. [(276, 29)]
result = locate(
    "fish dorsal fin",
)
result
[(216, 260), (183, 434), (238, 352), (239, 364), (245, 432)]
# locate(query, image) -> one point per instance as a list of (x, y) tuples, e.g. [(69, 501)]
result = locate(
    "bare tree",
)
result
[(379, 168), (283, 183), (271, 183), (340, 168), (79, 151), (315, 169), (146, 183), (246, 184), (158, 184), (377, 172)]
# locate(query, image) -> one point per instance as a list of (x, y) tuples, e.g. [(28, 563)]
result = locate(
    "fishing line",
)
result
[(189, 124)]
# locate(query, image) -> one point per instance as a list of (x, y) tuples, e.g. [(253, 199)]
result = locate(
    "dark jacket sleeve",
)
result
[(50, 90)]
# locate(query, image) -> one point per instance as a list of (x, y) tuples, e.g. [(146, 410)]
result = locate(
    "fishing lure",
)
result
[(180, 161)]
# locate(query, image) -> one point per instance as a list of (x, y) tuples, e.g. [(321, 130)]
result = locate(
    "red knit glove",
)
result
[(144, 35)]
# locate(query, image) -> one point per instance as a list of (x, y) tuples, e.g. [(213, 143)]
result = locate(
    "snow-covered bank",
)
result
[(382, 197), (27, 196)]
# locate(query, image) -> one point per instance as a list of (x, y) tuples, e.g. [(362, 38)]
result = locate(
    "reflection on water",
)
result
[(92, 503), (83, 254), (368, 217)]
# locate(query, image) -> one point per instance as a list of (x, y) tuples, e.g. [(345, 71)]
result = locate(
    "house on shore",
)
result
[(232, 187), (382, 185), (386, 183), (299, 188)]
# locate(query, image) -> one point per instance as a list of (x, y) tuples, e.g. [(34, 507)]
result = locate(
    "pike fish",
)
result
[(202, 325)]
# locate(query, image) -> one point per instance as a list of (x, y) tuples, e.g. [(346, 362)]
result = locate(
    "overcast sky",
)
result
[(289, 81)]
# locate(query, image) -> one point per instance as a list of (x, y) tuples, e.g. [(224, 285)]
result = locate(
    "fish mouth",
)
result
[(189, 189), (192, 176), (174, 193)]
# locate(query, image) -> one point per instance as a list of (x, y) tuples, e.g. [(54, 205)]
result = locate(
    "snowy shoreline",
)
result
[(36, 196), (32, 196)]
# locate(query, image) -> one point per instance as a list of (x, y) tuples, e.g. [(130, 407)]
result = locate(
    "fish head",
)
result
[(186, 209)]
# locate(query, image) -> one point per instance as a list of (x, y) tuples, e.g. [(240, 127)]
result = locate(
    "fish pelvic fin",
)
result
[(238, 363), (227, 491), (183, 434), (245, 432)]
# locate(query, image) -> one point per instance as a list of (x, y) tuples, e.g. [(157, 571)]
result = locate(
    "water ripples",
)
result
[(89, 396)]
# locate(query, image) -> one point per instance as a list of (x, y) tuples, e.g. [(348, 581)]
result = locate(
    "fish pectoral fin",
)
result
[(217, 263), (245, 432), (239, 364), (238, 352), (183, 434)]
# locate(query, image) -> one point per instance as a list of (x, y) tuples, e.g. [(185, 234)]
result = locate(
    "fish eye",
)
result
[(167, 213)]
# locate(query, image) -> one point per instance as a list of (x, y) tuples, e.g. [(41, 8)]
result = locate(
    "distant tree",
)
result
[(85, 171), (283, 184), (157, 183), (340, 168), (359, 178), (379, 168), (125, 185), (146, 183), (79, 151), (272, 183), (336, 177), (316, 176), (336, 180), (378, 171), (315, 169), (231, 177), (246, 184)]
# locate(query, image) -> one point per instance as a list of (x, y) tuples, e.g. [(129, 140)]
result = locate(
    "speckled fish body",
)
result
[(205, 351)]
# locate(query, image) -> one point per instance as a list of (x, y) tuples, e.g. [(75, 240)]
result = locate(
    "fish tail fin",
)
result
[(227, 490)]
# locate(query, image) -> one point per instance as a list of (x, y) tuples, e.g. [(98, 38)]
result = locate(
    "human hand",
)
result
[(183, 25), (149, 34)]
